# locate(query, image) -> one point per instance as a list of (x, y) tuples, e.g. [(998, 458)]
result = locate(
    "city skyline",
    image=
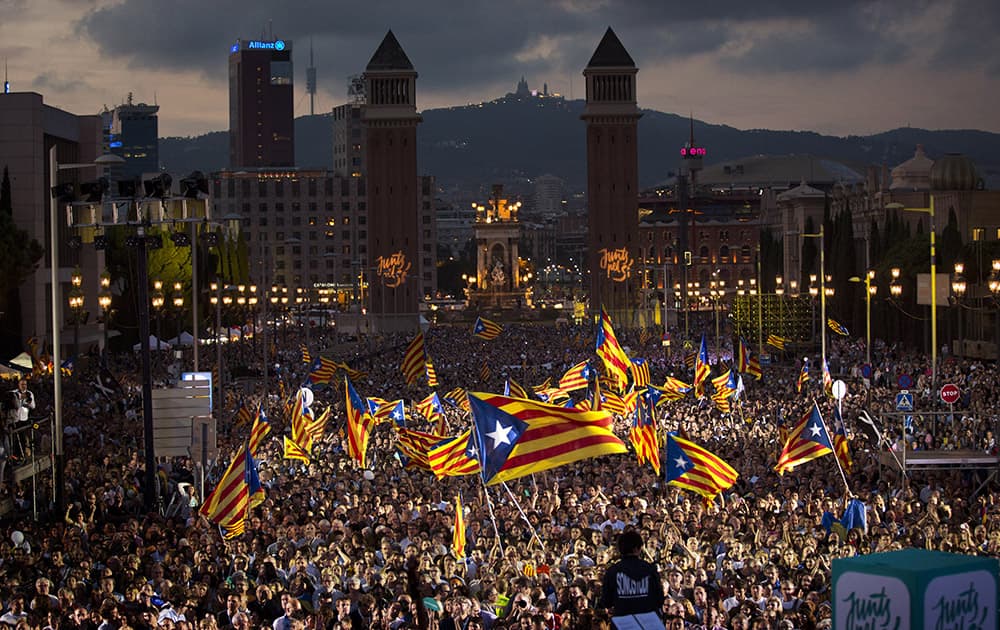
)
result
[(854, 68)]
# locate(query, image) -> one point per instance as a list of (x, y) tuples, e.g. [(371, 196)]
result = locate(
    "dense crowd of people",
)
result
[(335, 546)]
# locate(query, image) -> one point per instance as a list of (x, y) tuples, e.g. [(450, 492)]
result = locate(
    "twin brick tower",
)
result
[(393, 186)]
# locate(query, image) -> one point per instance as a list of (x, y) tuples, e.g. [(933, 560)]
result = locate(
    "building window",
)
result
[(978, 234)]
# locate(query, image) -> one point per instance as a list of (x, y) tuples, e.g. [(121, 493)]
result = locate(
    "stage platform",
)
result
[(928, 460)]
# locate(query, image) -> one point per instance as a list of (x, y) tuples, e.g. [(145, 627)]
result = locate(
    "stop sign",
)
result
[(950, 394)]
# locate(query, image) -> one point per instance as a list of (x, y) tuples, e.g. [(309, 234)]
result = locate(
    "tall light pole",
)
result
[(76, 307), (157, 302), (104, 301), (930, 211), (870, 291), (994, 286), (822, 288), (958, 287), (178, 301), (58, 468)]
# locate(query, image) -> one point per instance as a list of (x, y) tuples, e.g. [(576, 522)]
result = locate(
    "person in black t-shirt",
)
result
[(631, 586)]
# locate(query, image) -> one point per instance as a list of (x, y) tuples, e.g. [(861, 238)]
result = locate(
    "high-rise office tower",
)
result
[(133, 133), (390, 120), (612, 117), (261, 104)]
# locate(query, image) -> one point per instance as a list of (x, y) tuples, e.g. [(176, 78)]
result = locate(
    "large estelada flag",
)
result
[(808, 440), (516, 437), (694, 468)]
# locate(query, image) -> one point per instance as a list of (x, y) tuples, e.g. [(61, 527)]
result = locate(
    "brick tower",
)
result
[(612, 116), (390, 121)]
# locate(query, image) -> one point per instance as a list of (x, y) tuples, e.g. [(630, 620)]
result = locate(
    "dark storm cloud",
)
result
[(972, 37), (459, 47)]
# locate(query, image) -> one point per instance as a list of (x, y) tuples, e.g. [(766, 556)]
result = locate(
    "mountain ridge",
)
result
[(520, 138)]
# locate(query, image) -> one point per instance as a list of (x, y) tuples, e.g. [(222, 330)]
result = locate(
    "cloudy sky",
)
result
[(835, 67)]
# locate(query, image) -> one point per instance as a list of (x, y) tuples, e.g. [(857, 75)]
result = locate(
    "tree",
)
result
[(951, 241), (19, 256)]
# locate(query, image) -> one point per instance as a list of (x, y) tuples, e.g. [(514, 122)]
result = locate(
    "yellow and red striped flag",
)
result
[(292, 450), (616, 362), (359, 424), (261, 427), (413, 359), (694, 468), (458, 533), (517, 437), (808, 440), (453, 457)]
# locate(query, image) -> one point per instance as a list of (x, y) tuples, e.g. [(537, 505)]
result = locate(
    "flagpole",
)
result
[(486, 490), (523, 515), (835, 458)]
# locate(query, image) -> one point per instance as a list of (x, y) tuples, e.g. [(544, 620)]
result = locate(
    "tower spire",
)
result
[(311, 81), (6, 83), (691, 140)]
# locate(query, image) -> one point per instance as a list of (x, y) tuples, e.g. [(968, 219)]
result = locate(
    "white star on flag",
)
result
[(500, 435), (681, 462), (815, 430)]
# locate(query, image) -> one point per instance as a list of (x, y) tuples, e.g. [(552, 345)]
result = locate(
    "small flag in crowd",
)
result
[(458, 534), (454, 457), (837, 327), (415, 446), (322, 370), (577, 377), (643, 435), (807, 441), (689, 360), (413, 359), (840, 443), (694, 468), (394, 410), (827, 380), (776, 341), (292, 450), (243, 415), (430, 407), (803, 376), (306, 357), (701, 369), (486, 329), (615, 360), (640, 373), (432, 378), (359, 424), (261, 427), (67, 366), (484, 372)]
